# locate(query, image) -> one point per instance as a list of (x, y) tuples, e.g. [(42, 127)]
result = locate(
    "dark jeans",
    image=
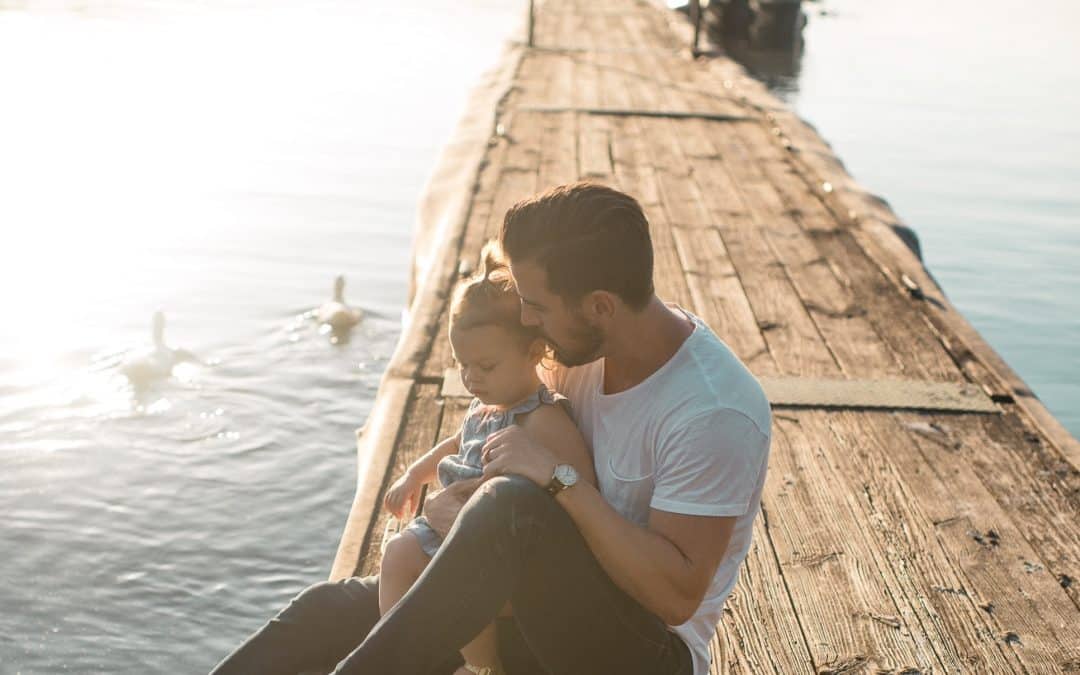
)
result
[(511, 542)]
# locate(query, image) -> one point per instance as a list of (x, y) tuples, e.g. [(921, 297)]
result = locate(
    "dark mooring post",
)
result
[(532, 20), (695, 17), (777, 24)]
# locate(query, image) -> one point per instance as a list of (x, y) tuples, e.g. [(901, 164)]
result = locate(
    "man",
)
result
[(626, 578)]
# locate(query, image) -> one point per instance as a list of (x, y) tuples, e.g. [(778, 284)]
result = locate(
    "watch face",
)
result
[(566, 474)]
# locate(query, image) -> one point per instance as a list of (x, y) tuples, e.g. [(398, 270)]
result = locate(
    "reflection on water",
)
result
[(221, 162), (962, 115)]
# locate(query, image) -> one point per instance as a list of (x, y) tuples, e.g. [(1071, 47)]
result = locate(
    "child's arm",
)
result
[(423, 470), (406, 490)]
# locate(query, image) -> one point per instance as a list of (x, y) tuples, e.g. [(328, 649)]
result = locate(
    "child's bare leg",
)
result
[(403, 561), (482, 652)]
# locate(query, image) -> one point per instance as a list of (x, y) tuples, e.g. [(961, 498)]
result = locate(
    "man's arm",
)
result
[(666, 566)]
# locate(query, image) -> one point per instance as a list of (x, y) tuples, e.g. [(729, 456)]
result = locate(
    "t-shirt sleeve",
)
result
[(710, 466)]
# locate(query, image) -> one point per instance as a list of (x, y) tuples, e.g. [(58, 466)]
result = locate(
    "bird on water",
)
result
[(156, 362), (336, 313)]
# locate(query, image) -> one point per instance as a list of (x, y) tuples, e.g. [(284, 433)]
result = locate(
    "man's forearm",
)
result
[(644, 564)]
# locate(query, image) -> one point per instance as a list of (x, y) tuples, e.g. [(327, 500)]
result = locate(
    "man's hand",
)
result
[(441, 508), (513, 450)]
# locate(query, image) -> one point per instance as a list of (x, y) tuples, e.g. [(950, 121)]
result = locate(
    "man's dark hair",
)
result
[(586, 237)]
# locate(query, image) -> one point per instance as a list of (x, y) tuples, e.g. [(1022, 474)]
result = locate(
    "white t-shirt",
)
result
[(691, 438)]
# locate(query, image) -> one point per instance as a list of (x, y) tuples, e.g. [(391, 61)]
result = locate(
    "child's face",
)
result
[(493, 365)]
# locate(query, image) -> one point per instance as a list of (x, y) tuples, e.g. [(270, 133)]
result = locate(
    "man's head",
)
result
[(581, 258)]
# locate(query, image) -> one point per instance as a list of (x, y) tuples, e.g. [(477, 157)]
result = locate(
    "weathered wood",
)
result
[(1032, 611), (668, 276), (760, 629), (375, 445), (425, 414), (934, 587), (1043, 502), (849, 602), (887, 541), (559, 151)]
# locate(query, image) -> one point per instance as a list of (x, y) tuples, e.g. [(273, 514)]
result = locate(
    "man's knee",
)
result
[(506, 504), (356, 598), (315, 600), (513, 490)]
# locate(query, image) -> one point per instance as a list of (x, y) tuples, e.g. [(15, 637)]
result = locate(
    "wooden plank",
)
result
[(558, 151), (637, 152), (847, 599), (614, 92), (938, 596), (518, 177), (888, 313), (840, 319), (417, 436), (780, 312), (777, 308), (759, 625), (594, 148), (776, 206), (1031, 611), (719, 297), (1039, 492), (439, 358), (587, 78), (969, 653), (830, 303), (454, 410)]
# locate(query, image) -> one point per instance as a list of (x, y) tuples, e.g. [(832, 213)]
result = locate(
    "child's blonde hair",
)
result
[(489, 298)]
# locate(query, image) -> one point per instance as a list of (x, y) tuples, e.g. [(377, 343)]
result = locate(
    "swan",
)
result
[(336, 313), (156, 362)]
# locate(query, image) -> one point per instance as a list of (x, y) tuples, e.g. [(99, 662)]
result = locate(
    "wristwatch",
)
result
[(562, 477)]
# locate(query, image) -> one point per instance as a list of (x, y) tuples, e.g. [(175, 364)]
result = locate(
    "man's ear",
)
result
[(600, 305)]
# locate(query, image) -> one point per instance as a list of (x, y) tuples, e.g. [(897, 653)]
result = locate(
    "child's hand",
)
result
[(402, 496)]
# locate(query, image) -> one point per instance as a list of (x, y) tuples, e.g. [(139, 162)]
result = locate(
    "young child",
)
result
[(497, 357)]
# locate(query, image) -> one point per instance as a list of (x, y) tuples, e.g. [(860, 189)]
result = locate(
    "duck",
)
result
[(145, 365), (336, 313)]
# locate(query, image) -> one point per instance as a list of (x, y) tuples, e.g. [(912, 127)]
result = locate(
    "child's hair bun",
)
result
[(490, 297), (493, 267)]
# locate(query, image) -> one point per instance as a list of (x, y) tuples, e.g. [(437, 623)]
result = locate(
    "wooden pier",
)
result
[(895, 536)]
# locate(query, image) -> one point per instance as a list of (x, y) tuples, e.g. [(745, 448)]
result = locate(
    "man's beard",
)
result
[(587, 340)]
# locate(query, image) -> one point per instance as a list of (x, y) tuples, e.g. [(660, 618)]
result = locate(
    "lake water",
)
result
[(224, 161), (221, 162)]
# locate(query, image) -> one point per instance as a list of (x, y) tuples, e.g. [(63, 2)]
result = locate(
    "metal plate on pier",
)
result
[(808, 392), (811, 392)]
